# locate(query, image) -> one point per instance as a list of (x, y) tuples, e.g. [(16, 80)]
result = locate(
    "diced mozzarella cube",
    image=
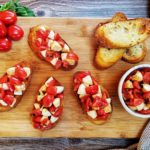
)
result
[(53, 119), (87, 80), (3, 103), (50, 43), (45, 112), (27, 70), (14, 102), (17, 92), (92, 114), (36, 106), (107, 109), (56, 102), (59, 89), (66, 48), (64, 56), (81, 89), (146, 87), (55, 46), (5, 86), (40, 97), (138, 76), (21, 87), (48, 81), (11, 71), (128, 84), (140, 107), (43, 53), (51, 35), (54, 61), (108, 100)]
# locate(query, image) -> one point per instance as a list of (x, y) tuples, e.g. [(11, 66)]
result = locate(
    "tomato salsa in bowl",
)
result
[(134, 91)]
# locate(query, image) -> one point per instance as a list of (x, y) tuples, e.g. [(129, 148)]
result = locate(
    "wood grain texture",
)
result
[(79, 35)]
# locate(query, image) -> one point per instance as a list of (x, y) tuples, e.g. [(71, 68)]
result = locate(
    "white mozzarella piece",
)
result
[(27, 70), (107, 109), (59, 89), (40, 97), (108, 100), (53, 119), (45, 112), (54, 61), (50, 43), (51, 35), (36, 106), (17, 92), (140, 107), (138, 76), (128, 84), (66, 48), (11, 71), (56, 102), (92, 114), (43, 53), (3, 103), (81, 89), (14, 102), (49, 80), (21, 87), (87, 80), (146, 87), (43, 28), (55, 46), (5, 86), (64, 56)]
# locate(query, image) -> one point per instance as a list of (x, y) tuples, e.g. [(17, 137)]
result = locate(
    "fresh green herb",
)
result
[(15, 6)]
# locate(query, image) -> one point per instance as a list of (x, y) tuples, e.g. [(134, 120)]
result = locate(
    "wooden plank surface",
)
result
[(79, 34)]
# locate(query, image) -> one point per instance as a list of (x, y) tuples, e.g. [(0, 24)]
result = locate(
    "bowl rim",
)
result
[(120, 91)]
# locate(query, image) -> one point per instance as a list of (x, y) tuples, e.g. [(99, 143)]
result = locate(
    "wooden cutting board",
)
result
[(79, 35)]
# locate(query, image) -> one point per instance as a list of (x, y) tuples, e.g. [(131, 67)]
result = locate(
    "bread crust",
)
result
[(18, 98)]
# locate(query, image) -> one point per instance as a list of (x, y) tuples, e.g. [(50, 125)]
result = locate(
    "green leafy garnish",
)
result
[(16, 7)]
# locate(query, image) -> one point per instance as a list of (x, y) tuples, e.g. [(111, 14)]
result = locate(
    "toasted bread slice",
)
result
[(135, 54), (105, 57), (123, 34)]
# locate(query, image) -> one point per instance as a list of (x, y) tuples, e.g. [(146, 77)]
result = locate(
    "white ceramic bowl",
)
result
[(120, 91)]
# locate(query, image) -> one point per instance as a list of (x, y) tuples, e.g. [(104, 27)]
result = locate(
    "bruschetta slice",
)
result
[(94, 98), (48, 105), (49, 46), (13, 84)]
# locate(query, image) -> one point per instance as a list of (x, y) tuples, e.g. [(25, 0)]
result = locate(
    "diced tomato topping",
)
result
[(20, 73), (103, 117), (58, 64), (57, 37), (88, 104), (61, 42), (61, 96), (136, 85), (84, 98), (58, 112), (36, 125), (48, 100), (76, 86), (93, 89), (37, 43), (146, 77), (65, 64), (42, 34), (49, 55), (137, 93), (44, 121), (147, 96), (99, 103), (10, 87), (101, 112), (128, 94), (51, 83), (37, 119), (135, 102), (73, 56), (4, 79), (14, 80), (56, 54), (52, 109), (145, 111), (36, 112), (9, 99), (2, 93), (51, 90)]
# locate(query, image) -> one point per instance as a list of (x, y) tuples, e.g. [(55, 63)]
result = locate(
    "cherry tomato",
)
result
[(20, 73), (51, 90), (9, 99), (5, 44), (15, 32), (8, 17), (3, 30), (93, 89), (48, 100)]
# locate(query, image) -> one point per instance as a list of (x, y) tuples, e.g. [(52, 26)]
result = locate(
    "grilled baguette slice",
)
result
[(123, 34)]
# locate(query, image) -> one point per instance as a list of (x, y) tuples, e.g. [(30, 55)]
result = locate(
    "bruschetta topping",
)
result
[(53, 48), (48, 105), (12, 84), (94, 99), (136, 91)]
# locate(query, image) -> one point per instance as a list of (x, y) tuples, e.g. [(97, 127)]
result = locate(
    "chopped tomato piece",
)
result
[(73, 56), (51, 83), (61, 96), (99, 103), (44, 121), (93, 89), (51, 90), (103, 117), (14, 80), (9, 99), (42, 34), (37, 119), (48, 100), (36, 125), (58, 112), (137, 93), (2, 93), (84, 98), (61, 42), (52, 109), (128, 94), (136, 85), (58, 64), (76, 86), (135, 102), (146, 95), (20, 73), (4, 79), (57, 37), (36, 112), (65, 64), (88, 104), (146, 77), (101, 112), (145, 111)]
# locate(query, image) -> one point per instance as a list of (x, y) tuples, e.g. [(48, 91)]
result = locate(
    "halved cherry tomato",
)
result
[(20, 73), (48, 100), (5, 44), (4, 79), (93, 89), (9, 99), (14, 81), (2, 93), (51, 90), (8, 17), (3, 30), (58, 112), (146, 77), (135, 102), (73, 56), (15, 32)]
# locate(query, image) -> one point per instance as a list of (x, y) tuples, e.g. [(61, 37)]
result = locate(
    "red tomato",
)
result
[(145, 111), (9, 99), (88, 104), (52, 109), (20, 73), (36, 112), (37, 119), (51, 90), (8, 17), (61, 96), (101, 112), (127, 94), (146, 77), (3, 30), (15, 81), (4, 79), (58, 112), (2, 93), (73, 56), (58, 64), (146, 96), (15, 32), (57, 37), (136, 85), (135, 102), (5, 44), (93, 89), (137, 93), (42, 34), (48, 100), (103, 117), (65, 64), (61, 42), (36, 125)]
